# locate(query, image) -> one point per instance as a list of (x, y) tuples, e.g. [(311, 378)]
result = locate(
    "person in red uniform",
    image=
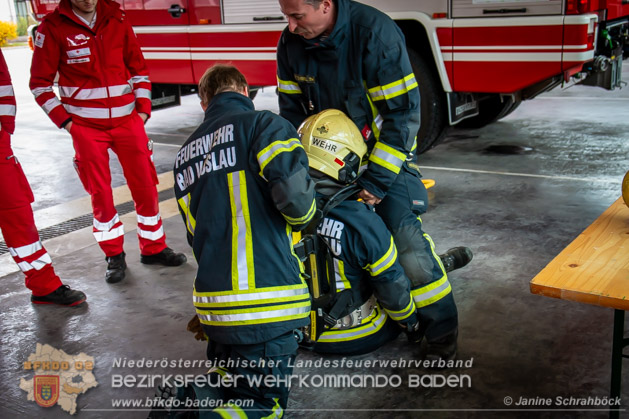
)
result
[(16, 215), (105, 99)]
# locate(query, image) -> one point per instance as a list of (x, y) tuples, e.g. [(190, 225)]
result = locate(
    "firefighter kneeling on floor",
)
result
[(242, 185), (361, 295)]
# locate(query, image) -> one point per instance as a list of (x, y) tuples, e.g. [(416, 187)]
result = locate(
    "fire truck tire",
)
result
[(490, 110), (434, 117)]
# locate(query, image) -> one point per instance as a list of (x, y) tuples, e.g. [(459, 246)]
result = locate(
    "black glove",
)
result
[(414, 333)]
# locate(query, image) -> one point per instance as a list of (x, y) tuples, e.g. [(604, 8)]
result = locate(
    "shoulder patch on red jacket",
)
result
[(39, 40)]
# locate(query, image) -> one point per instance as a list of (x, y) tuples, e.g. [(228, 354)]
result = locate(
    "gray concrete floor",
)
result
[(515, 211)]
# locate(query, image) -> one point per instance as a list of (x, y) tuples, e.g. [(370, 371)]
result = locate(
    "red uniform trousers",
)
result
[(18, 226), (131, 145)]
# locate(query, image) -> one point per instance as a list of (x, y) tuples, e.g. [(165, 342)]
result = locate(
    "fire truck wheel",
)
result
[(490, 110), (434, 115)]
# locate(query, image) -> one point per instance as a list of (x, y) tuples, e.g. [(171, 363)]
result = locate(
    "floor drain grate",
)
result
[(85, 220)]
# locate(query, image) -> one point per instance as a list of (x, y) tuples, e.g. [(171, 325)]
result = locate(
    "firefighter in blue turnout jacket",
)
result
[(345, 55), (368, 277), (242, 185)]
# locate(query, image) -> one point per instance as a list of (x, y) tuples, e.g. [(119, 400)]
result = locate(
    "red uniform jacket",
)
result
[(102, 74), (7, 99)]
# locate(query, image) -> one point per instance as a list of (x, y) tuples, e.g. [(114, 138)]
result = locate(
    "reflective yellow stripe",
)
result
[(376, 123), (293, 238), (288, 87), (278, 412), (402, 314), (371, 325), (394, 89), (432, 292), (305, 218), (387, 157), (243, 273), (230, 411), (384, 262), (269, 152), (184, 206), (254, 315), (342, 283)]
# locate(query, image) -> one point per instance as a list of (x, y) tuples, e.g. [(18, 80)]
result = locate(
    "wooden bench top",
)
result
[(594, 268)]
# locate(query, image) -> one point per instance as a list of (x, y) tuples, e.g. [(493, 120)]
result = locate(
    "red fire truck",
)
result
[(475, 60)]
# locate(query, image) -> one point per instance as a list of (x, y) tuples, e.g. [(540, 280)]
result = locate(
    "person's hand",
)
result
[(368, 197), (143, 116), (68, 126), (194, 326)]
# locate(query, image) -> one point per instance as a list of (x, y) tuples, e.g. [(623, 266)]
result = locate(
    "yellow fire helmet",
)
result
[(333, 144)]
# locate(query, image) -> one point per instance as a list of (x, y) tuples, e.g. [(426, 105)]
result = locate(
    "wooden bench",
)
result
[(594, 269)]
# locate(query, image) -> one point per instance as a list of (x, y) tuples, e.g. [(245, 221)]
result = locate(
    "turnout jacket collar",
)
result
[(339, 32), (228, 100), (104, 10)]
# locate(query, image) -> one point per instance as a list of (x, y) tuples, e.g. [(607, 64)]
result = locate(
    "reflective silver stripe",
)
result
[(232, 412), (401, 85), (88, 94), (95, 93), (418, 298), (400, 316), (276, 148), (378, 121), (7, 110), (36, 264), (123, 110), (140, 79), (51, 104), (39, 90), (93, 113), (263, 295), (149, 221), (279, 412), (186, 209), (100, 113), (102, 236), (119, 90), (67, 91), (144, 93), (388, 157), (287, 86), (269, 314), (151, 235), (6, 91), (354, 333), (25, 251), (107, 225), (81, 52), (241, 252), (340, 285), (390, 254)]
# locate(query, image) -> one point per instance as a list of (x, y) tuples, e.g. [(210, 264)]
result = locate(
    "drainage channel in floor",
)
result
[(85, 220)]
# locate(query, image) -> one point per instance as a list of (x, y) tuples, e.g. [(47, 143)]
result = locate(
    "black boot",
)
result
[(116, 266), (442, 349), (456, 258), (166, 257), (63, 296)]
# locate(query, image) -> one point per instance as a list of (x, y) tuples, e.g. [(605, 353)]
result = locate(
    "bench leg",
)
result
[(617, 347)]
